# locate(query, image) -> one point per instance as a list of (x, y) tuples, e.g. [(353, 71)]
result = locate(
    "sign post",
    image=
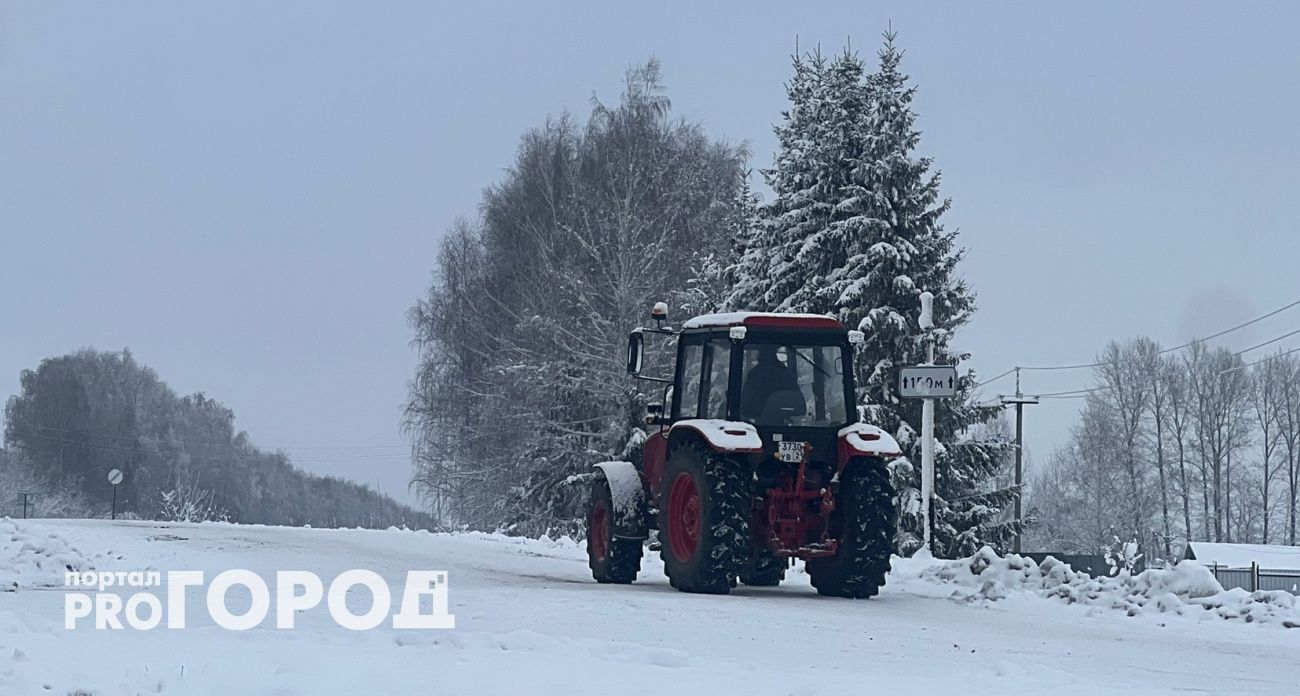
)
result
[(927, 382), (115, 477)]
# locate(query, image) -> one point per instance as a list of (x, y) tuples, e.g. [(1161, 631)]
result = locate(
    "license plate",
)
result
[(792, 452)]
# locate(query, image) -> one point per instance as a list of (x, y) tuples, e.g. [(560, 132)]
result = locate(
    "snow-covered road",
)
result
[(530, 621)]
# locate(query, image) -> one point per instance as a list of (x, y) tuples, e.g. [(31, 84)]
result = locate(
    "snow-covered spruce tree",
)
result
[(800, 176), (854, 231), (898, 248)]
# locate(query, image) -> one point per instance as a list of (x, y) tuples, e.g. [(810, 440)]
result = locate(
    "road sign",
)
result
[(115, 477), (927, 382)]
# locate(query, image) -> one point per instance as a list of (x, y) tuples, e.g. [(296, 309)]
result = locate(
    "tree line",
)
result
[(520, 386), (1180, 445), (78, 416)]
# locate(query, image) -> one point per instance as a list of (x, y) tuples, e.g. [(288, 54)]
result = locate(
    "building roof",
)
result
[(1270, 556), (775, 319)]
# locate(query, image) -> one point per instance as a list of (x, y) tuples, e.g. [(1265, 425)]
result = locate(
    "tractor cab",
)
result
[(754, 456), (787, 375)]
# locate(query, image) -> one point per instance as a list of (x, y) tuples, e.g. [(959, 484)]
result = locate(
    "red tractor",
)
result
[(755, 457)]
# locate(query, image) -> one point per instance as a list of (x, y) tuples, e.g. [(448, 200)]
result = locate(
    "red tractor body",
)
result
[(751, 461)]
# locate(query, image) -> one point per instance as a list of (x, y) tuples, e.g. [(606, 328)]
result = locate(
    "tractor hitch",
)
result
[(798, 516)]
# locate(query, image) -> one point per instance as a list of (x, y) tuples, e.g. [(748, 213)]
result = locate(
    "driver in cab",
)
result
[(770, 378)]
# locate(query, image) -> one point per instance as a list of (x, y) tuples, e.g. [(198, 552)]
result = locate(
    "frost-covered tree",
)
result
[(1288, 424), (1174, 446), (521, 384), (854, 231), (1124, 371)]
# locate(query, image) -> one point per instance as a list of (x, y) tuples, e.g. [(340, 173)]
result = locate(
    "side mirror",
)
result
[(654, 414), (635, 352)]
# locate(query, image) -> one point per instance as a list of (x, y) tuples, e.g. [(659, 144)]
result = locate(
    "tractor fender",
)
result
[(720, 435), (862, 440), (628, 495)]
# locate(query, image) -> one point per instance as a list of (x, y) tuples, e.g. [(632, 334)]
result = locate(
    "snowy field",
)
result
[(531, 621)]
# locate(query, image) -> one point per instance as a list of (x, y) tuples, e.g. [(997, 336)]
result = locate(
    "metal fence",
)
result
[(1092, 564), (1249, 579), (1256, 578)]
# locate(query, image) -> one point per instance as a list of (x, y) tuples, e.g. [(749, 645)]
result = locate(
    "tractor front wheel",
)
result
[(704, 519), (864, 513), (612, 560)]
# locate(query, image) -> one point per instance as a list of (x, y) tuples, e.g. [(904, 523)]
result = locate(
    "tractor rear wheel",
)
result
[(611, 559), (864, 509), (704, 519), (764, 569)]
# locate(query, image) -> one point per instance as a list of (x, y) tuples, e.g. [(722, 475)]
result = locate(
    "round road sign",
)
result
[(115, 476)]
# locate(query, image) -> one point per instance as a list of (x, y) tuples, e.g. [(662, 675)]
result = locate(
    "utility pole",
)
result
[(1019, 401)]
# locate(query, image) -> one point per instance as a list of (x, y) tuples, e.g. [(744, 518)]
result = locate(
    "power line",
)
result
[(1081, 393), (1271, 340), (1262, 360), (1194, 341), (1076, 393), (994, 379), (1073, 393)]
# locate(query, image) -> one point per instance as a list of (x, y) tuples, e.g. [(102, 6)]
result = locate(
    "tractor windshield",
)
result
[(793, 385)]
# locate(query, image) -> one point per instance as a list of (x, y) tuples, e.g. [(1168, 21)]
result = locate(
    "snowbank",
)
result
[(1187, 589), (31, 559)]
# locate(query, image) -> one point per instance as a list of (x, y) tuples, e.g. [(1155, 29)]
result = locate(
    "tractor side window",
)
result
[(719, 371), (692, 364)]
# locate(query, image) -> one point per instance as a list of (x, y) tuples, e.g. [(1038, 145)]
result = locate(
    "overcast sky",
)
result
[(250, 196)]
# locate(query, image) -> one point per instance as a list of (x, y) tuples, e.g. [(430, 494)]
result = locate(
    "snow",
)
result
[(1242, 555), (529, 620), (30, 558), (870, 440), (626, 492), (735, 318), (725, 435), (1187, 590)]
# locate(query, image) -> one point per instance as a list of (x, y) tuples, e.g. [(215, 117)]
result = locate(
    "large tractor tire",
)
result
[(612, 560), (704, 519), (864, 509), (764, 569)]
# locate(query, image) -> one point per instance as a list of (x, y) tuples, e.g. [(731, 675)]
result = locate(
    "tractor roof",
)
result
[(774, 320)]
